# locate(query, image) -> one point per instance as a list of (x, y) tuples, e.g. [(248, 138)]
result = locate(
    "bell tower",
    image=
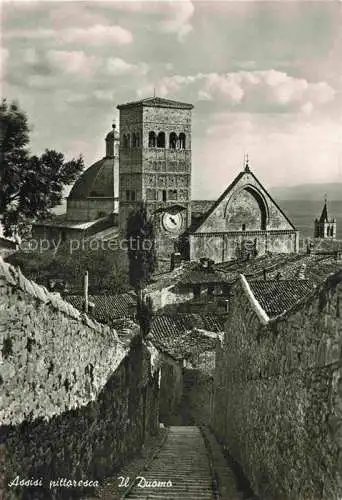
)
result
[(155, 166), (325, 227)]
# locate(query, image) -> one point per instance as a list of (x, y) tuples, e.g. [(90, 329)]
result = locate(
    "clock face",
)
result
[(172, 222)]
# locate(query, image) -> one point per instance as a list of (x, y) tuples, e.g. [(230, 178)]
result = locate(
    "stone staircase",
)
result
[(184, 468)]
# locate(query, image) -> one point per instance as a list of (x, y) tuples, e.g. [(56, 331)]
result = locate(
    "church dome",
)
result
[(113, 134), (97, 181)]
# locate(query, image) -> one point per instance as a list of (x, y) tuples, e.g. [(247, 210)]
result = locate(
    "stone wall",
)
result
[(77, 402), (278, 395), (196, 408), (245, 218), (222, 247), (89, 209), (169, 296), (255, 208), (171, 388)]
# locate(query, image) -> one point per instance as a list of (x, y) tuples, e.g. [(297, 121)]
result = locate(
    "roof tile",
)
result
[(278, 296)]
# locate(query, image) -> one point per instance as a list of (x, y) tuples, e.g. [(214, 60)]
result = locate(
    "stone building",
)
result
[(90, 389), (149, 161), (243, 223), (93, 203), (325, 227), (155, 167), (277, 402)]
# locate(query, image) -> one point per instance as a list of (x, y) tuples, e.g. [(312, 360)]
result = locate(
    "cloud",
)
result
[(178, 20), (75, 61), (249, 89), (4, 57), (118, 67), (172, 16), (105, 95), (30, 56), (283, 151), (95, 35), (39, 33)]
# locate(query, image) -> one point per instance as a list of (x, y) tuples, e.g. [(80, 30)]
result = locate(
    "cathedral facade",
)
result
[(155, 168), (244, 222), (149, 160)]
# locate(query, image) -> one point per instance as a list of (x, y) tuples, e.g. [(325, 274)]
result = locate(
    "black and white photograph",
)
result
[(171, 250)]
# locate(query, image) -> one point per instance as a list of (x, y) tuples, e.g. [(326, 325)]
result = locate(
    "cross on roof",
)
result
[(246, 162)]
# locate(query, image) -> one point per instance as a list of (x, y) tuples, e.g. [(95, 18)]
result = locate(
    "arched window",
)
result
[(134, 140), (128, 141), (137, 140), (125, 141), (173, 140), (151, 140), (161, 140), (182, 141)]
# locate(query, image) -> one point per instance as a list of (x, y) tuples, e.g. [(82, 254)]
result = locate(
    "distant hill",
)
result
[(310, 192)]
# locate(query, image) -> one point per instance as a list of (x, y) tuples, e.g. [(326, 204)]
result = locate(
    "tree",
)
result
[(141, 261), (107, 270), (30, 186)]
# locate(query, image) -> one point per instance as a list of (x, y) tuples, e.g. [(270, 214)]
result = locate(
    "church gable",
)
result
[(244, 206)]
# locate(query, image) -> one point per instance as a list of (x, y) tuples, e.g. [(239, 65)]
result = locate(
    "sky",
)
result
[(265, 78)]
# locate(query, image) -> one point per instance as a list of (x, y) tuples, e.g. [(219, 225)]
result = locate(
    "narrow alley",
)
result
[(185, 467)]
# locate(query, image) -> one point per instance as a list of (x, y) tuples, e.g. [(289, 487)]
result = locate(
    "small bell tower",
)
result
[(325, 227), (112, 153)]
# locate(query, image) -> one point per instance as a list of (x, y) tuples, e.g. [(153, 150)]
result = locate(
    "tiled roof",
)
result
[(324, 245), (168, 279), (181, 336), (199, 275), (256, 267), (167, 326), (278, 296), (157, 102), (14, 277), (107, 307), (315, 268)]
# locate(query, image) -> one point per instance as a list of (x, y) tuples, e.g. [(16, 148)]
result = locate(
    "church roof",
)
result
[(197, 224), (159, 102), (96, 181), (324, 214)]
